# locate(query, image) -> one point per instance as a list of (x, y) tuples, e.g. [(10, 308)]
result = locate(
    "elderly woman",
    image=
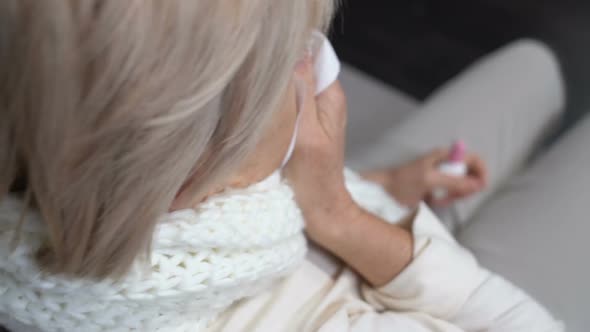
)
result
[(144, 188)]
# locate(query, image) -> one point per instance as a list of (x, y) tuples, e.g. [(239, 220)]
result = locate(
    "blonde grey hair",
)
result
[(107, 107)]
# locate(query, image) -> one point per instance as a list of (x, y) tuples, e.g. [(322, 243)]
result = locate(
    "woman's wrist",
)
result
[(379, 251), (326, 223)]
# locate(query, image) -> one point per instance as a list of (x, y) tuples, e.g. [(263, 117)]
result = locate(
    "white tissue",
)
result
[(326, 64)]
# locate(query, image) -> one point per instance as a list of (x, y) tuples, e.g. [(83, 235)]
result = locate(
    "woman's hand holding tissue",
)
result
[(316, 174)]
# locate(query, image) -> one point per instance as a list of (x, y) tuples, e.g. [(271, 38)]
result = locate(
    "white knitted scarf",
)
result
[(232, 246)]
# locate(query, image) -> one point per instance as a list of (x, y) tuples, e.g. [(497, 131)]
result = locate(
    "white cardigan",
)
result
[(237, 264)]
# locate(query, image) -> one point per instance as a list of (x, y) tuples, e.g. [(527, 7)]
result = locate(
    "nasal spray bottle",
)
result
[(454, 166)]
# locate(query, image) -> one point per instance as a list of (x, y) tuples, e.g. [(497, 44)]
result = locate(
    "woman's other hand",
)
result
[(316, 169), (415, 181)]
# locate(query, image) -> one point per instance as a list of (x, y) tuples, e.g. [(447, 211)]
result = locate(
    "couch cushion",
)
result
[(535, 232)]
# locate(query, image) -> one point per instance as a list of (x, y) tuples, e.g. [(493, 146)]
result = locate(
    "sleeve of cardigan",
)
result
[(445, 281)]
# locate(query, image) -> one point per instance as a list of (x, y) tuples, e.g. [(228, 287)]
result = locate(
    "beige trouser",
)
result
[(501, 107), (532, 224)]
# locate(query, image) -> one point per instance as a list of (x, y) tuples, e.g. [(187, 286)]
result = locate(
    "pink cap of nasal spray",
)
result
[(458, 151), (454, 166)]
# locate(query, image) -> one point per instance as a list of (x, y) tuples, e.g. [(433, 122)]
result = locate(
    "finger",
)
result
[(331, 104), (305, 88), (444, 202), (437, 156), (477, 168), (460, 186)]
